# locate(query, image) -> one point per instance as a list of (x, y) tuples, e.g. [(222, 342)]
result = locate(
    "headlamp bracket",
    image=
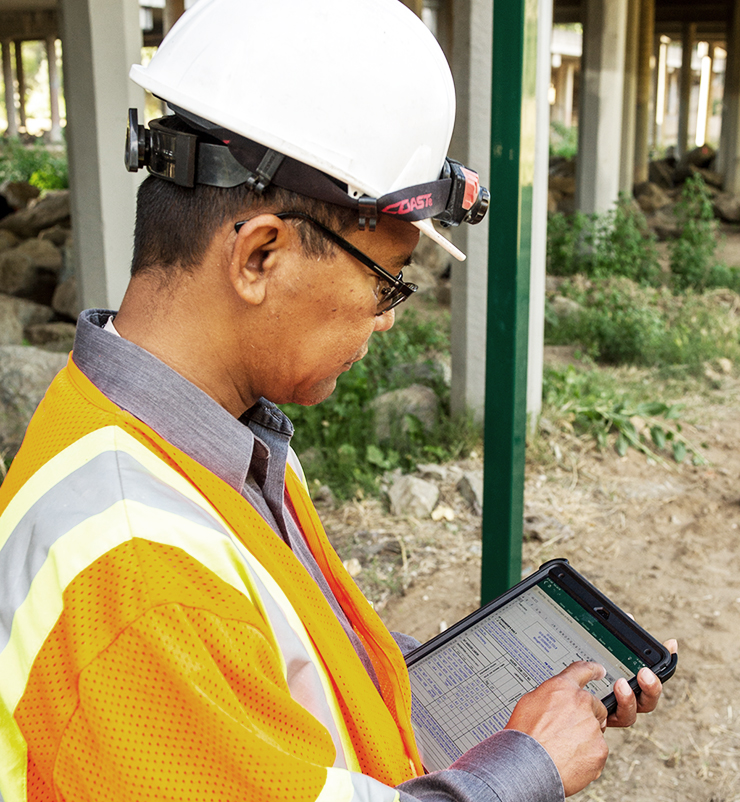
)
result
[(368, 213)]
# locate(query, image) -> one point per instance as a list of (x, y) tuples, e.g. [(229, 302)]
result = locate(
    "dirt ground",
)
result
[(661, 541)]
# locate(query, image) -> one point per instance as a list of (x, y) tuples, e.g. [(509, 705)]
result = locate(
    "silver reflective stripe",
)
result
[(113, 477), (300, 672), (90, 490), (349, 786)]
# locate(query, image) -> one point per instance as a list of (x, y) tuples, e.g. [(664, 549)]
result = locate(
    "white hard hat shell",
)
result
[(359, 89)]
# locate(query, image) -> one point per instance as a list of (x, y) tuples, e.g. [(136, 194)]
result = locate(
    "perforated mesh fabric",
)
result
[(379, 727), (165, 687)]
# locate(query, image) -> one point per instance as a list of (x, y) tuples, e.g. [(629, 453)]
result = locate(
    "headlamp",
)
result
[(188, 150)]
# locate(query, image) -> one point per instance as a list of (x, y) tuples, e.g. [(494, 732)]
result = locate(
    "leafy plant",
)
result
[(563, 140), (620, 322), (693, 252), (650, 427), (618, 243), (33, 163)]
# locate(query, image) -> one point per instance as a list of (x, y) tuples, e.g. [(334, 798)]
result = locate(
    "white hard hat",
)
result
[(358, 90)]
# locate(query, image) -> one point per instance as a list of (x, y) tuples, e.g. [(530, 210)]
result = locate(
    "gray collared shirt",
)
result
[(249, 453)]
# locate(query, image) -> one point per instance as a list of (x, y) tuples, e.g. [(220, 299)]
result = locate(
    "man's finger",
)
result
[(626, 712), (582, 673)]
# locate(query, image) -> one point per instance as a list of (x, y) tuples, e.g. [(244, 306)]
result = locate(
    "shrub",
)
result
[(563, 140), (692, 254), (623, 323), (33, 163), (618, 243)]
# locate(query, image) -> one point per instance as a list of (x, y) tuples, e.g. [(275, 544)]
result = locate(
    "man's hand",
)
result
[(628, 705), (569, 722)]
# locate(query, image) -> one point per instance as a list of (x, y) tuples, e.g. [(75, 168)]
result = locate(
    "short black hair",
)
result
[(175, 225)]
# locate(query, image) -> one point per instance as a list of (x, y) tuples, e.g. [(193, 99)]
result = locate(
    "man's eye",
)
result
[(385, 290)]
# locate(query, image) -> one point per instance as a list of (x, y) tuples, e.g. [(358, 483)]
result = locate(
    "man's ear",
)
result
[(255, 256)]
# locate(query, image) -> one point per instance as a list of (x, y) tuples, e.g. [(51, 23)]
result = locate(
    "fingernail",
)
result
[(624, 686), (647, 676)]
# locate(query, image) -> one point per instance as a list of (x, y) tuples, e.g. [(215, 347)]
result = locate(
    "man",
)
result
[(174, 623)]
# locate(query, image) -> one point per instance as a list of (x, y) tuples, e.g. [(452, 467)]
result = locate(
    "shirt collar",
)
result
[(175, 408)]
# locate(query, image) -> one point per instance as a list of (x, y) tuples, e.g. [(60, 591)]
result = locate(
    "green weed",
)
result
[(693, 253), (34, 164), (621, 322), (618, 243), (563, 140), (592, 406)]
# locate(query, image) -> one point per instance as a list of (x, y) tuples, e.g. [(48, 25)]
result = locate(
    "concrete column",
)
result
[(704, 110), (600, 118), (51, 57), (629, 99), (688, 34), (21, 78), (173, 10), (536, 339), (12, 129), (568, 89), (728, 161), (642, 109), (661, 85), (471, 66), (101, 39)]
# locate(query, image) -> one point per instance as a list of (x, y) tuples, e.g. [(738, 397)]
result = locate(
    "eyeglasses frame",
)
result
[(399, 289)]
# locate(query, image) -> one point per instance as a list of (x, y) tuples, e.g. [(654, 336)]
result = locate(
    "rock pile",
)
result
[(658, 195), (38, 303)]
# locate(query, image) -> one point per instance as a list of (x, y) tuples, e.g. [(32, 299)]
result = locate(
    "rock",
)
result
[(443, 512), (428, 373), (651, 197), (698, 157), (11, 330), (552, 201), (563, 307), (57, 336), (16, 314), (712, 178), (559, 165), (727, 207), (19, 193), (410, 495), (8, 240), (30, 313), (432, 470), (53, 208), (391, 409), (25, 373), (565, 184), (470, 488), (353, 567), (42, 253), (58, 235), (664, 224), (64, 301), (660, 172), (20, 276), (725, 365)]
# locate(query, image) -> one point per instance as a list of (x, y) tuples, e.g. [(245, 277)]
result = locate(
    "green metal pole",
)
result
[(512, 167)]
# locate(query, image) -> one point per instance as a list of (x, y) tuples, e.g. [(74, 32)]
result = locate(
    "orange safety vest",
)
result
[(165, 643)]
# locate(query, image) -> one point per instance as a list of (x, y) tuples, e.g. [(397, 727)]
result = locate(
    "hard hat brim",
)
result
[(427, 228)]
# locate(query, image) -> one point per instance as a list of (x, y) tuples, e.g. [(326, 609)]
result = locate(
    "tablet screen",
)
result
[(466, 690)]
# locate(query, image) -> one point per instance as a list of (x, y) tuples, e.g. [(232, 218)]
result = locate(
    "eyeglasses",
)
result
[(390, 295)]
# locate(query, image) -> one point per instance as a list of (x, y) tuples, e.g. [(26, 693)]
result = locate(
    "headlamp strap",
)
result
[(368, 213), (266, 169)]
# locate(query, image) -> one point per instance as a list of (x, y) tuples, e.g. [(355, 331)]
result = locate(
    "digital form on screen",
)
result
[(466, 690)]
